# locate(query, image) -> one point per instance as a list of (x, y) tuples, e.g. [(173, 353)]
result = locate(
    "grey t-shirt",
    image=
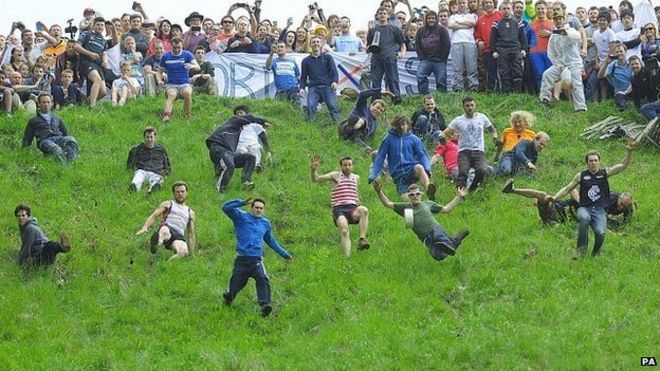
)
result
[(471, 131)]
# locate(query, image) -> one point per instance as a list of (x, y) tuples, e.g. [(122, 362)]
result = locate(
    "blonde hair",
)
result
[(527, 118)]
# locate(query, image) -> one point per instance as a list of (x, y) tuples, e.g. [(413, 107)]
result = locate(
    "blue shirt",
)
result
[(619, 75), (321, 71), (285, 71), (251, 231), (347, 43), (93, 42), (177, 74)]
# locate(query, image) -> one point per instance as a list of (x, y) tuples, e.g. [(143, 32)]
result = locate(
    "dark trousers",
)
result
[(48, 254), (250, 267), (471, 159), (389, 68), (247, 162), (490, 65), (223, 160), (509, 65)]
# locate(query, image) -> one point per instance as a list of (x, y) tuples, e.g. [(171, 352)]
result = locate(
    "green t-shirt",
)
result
[(423, 220)]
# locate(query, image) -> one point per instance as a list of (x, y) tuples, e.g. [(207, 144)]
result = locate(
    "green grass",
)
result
[(110, 304)]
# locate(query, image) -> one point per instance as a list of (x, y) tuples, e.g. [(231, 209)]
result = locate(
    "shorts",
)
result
[(87, 66), (402, 182), (347, 211), (174, 236), (553, 212), (179, 88)]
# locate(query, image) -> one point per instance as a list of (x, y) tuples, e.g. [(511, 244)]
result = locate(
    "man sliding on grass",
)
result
[(177, 219), (427, 229)]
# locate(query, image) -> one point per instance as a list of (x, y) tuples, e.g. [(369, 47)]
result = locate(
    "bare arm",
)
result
[(614, 170), (152, 218), (569, 187), (192, 238), (381, 196), (460, 195), (602, 72)]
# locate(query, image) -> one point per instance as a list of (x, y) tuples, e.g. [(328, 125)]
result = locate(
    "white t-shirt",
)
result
[(249, 138), (471, 131), (602, 41), (463, 35), (631, 34)]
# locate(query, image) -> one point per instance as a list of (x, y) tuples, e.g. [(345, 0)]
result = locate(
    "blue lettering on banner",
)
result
[(225, 78), (234, 81)]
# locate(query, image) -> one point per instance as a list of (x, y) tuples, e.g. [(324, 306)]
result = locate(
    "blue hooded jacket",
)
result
[(402, 154)]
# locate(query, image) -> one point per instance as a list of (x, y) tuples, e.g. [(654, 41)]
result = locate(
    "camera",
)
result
[(313, 6), (71, 29)]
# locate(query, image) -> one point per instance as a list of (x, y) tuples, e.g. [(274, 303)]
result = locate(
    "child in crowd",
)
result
[(125, 86)]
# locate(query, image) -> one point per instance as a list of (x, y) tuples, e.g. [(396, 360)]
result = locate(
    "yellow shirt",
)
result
[(510, 137)]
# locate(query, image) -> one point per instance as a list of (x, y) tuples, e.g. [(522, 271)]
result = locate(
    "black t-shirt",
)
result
[(594, 189)]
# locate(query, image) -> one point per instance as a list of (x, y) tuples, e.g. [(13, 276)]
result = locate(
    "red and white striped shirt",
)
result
[(346, 191)]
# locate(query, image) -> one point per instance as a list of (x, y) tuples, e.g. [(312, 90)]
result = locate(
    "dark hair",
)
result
[(176, 40), (177, 26), (149, 129), (258, 200), (23, 207), (44, 94), (397, 123), (25, 31), (591, 153), (200, 47), (628, 3), (605, 15), (467, 98), (243, 108), (179, 183), (135, 15), (98, 19), (634, 57), (627, 13), (160, 26), (228, 17), (344, 159)]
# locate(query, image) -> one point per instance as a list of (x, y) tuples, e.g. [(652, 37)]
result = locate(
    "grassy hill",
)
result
[(510, 299)]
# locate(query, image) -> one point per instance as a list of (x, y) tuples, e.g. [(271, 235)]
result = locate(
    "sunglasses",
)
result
[(228, 22)]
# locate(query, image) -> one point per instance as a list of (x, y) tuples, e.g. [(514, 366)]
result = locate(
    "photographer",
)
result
[(242, 42), (141, 40), (650, 42), (194, 35), (619, 75)]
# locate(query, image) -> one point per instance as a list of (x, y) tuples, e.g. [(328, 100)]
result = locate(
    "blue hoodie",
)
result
[(402, 153), (251, 231)]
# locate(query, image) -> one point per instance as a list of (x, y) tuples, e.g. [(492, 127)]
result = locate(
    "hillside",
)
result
[(510, 299)]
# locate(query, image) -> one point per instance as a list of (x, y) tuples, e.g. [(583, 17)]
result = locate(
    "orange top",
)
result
[(541, 41), (510, 137)]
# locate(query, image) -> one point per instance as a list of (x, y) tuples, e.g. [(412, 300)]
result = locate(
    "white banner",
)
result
[(242, 75)]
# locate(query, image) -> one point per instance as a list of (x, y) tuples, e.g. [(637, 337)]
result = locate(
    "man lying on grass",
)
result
[(427, 229)]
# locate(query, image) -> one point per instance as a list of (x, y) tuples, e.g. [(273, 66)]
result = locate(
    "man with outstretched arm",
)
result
[(427, 229), (251, 229), (594, 198), (177, 219), (345, 201)]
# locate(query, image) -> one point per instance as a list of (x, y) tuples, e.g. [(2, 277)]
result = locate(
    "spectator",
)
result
[(177, 219), (92, 46), (319, 75), (153, 81), (617, 25), (428, 122), (9, 99), (68, 60), (487, 66), (523, 155), (222, 145), (125, 87), (176, 64), (345, 43), (392, 46), (619, 74), (227, 31), (251, 230), (564, 52), (406, 158), (207, 24), (471, 145), (285, 73), (651, 41), (194, 35), (211, 43), (67, 92), (302, 41), (162, 36), (51, 133), (242, 42), (203, 79), (630, 35), (509, 44), (463, 48), (603, 39), (141, 40), (409, 33), (27, 99), (150, 163), (643, 85), (529, 84), (432, 45), (345, 201), (36, 249), (134, 59)]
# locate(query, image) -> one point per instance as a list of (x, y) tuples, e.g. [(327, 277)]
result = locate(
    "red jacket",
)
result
[(483, 27)]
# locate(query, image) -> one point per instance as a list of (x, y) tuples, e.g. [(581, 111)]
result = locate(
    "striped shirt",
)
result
[(346, 191)]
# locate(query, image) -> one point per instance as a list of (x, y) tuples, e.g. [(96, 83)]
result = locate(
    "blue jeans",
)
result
[(596, 218), (508, 165), (651, 110), (438, 243), (439, 70), (63, 148), (385, 67), (314, 96)]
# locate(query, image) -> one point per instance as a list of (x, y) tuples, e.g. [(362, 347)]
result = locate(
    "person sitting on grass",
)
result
[(427, 229), (149, 161), (428, 122), (51, 133), (67, 93), (36, 249), (176, 65), (345, 201), (362, 121), (406, 157), (252, 229), (520, 129), (524, 155), (203, 80), (125, 87), (178, 219), (619, 74)]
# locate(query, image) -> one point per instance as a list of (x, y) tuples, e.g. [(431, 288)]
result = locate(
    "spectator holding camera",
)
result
[(650, 41), (241, 42), (619, 75), (141, 40), (194, 35)]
